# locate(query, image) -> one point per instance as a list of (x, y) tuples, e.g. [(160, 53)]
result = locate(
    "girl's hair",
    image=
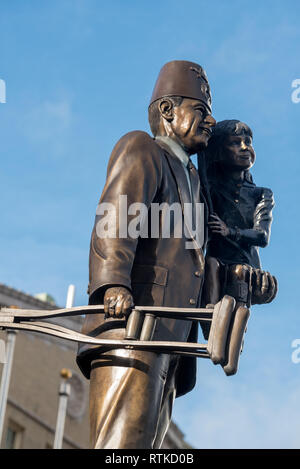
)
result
[(213, 152)]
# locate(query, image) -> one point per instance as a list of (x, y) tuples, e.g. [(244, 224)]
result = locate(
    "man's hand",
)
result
[(218, 226), (118, 302), (264, 287)]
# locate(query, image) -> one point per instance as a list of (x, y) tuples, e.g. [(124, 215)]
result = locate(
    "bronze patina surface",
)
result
[(239, 225), (147, 293), (132, 390), (160, 272)]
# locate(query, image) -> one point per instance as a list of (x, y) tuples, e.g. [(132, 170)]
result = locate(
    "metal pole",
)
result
[(64, 389), (2, 352), (64, 393), (70, 296), (6, 373)]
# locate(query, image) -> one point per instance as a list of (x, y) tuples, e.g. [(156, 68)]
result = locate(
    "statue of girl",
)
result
[(241, 220)]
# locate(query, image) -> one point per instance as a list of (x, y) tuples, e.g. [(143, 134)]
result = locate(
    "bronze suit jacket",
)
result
[(159, 271)]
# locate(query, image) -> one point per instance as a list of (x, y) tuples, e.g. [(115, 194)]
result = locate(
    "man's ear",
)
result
[(166, 108)]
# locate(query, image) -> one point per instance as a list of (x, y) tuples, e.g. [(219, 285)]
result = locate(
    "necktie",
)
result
[(195, 182), (197, 226), (190, 168)]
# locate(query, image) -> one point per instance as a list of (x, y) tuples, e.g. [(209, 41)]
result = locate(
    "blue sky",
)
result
[(79, 74)]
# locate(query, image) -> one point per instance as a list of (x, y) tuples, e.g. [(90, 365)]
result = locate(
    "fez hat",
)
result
[(182, 78)]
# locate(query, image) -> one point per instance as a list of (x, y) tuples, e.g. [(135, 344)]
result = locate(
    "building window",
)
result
[(14, 435)]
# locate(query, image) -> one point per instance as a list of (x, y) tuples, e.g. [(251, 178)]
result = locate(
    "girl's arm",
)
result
[(259, 235)]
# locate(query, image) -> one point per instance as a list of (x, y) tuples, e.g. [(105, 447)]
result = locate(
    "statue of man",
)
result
[(131, 391)]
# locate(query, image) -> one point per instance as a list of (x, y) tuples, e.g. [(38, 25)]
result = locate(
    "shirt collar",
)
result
[(175, 148)]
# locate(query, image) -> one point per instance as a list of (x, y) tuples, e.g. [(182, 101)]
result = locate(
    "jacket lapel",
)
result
[(199, 197), (178, 174), (184, 194), (180, 178)]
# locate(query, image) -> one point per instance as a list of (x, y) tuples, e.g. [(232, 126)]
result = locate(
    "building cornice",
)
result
[(21, 299)]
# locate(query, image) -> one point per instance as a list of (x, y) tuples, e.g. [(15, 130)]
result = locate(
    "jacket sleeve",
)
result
[(259, 235), (134, 173)]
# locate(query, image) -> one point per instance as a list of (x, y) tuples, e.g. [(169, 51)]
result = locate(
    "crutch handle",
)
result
[(134, 325)]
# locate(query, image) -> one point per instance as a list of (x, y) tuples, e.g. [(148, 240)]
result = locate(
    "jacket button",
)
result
[(236, 201), (197, 273), (192, 301)]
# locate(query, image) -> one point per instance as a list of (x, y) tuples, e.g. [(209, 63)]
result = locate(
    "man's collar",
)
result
[(175, 148)]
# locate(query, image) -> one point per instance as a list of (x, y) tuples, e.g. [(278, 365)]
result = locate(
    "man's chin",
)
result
[(200, 144)]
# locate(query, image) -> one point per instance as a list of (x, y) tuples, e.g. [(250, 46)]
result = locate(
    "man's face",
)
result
[(191, 125), (238, 152)]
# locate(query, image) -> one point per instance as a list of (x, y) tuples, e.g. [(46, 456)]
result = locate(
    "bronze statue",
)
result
[(148, 273), (132, 392), (240, 222)]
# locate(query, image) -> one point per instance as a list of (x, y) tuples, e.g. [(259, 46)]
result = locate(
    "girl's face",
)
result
[(238, 152)]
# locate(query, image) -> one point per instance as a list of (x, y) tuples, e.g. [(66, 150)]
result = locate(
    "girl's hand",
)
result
[(217, 226)]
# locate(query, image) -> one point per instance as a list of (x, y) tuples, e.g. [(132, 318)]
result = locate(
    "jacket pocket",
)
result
[(149, 274), (148, 284)]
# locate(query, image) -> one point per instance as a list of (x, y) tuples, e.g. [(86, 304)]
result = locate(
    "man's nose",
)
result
[(243, 145), (210, 121)]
